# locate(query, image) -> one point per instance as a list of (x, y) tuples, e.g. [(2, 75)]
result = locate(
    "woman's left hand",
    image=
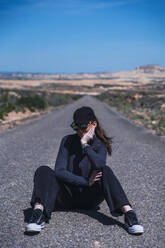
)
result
[(95, 176), (89, 135)]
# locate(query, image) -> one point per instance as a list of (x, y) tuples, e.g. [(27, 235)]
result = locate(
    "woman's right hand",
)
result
[(89, 135), (95, 176)]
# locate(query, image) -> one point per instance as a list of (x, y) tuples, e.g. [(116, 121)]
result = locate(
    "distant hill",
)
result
[(151, 68), (140, 72)]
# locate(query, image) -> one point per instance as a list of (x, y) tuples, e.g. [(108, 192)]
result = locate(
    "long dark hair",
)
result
[(101, 134)]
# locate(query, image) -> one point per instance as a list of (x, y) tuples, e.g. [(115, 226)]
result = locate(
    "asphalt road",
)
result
[(138, 160)]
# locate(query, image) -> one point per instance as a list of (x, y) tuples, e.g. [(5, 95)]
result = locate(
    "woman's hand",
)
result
[(89, 135), (95, 176)]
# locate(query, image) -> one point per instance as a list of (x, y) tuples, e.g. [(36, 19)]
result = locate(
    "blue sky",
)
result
[(71, 36)]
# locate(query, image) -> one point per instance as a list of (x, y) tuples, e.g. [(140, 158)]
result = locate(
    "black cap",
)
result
[(84, 115)]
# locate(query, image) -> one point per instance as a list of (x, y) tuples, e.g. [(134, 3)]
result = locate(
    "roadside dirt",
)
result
[(18, 118)]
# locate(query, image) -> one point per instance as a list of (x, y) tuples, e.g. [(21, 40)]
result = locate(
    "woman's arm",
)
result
[(98, 158), (61, 166)]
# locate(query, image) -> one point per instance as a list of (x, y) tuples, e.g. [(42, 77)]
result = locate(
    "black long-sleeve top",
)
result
[(74, 163)]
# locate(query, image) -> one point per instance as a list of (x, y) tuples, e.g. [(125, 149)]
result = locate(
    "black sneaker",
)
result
[(36, 222), (132, 223)]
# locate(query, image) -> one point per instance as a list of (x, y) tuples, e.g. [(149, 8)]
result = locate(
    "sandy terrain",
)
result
[(16, 118), (91, 87)]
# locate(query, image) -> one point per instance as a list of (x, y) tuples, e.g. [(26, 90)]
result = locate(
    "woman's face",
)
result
[(81, 132)]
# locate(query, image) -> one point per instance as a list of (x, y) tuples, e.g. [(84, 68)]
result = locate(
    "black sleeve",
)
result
[(61, 166), (98, 158)]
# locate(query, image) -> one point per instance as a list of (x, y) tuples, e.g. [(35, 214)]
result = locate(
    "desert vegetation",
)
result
[(145, 108), (19, 101)]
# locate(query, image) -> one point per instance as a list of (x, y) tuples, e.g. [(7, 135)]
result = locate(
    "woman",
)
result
[(81, 178)]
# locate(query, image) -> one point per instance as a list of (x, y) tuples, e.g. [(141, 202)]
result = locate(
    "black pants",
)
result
[(53, 193)]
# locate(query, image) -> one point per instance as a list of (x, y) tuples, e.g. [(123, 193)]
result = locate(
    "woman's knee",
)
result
[(43, 169), (107, 170)]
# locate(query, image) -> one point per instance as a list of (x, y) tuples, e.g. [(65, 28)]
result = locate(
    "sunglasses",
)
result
[(77, 127)]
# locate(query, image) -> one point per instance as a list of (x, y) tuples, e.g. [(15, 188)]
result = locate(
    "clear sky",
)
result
[(71, 36)]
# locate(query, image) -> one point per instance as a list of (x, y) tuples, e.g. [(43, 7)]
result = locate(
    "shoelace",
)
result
[(130, 218), (36, 216)]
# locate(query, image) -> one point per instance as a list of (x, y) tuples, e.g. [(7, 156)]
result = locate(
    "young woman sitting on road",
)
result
[(81, 178)]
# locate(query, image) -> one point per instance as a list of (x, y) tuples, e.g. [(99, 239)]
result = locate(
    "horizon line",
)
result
[(8, 72)]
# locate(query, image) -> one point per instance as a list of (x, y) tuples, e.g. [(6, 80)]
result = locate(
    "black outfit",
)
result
[(67, 186)]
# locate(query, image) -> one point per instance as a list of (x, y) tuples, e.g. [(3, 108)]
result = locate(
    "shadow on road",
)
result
[(104, 219)]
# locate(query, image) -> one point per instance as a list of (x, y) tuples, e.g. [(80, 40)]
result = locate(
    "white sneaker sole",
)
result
[(33, 227), (135, 229)]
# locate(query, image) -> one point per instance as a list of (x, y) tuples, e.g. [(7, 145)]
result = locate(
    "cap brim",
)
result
[(82, 122)]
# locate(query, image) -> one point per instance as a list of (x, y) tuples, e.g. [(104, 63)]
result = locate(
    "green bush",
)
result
[(60, 99), (153, 117), (161, 123), (7, 103), (140, 116), (33, 102)]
